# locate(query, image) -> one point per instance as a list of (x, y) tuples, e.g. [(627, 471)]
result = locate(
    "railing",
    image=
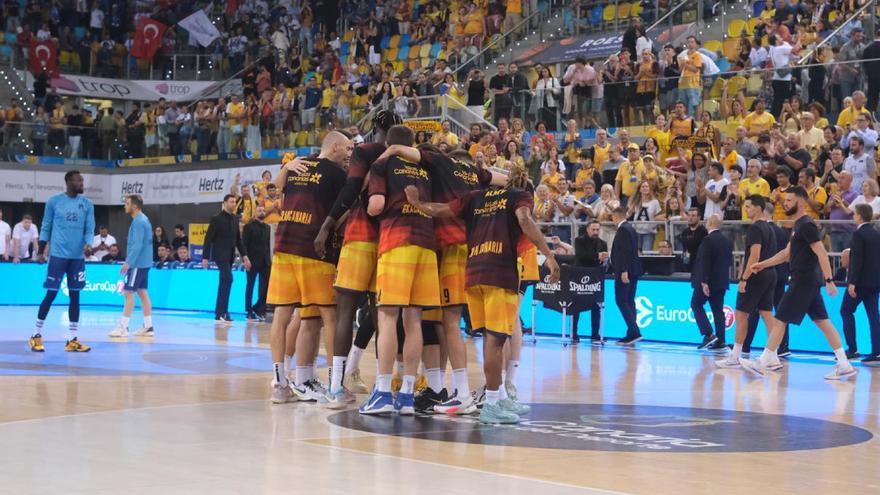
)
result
[(831, 36)]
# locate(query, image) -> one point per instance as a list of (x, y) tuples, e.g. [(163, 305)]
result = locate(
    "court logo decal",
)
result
[(622, 428), (647, 312)]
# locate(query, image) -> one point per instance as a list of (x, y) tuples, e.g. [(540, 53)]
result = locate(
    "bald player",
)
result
[(300, 277)]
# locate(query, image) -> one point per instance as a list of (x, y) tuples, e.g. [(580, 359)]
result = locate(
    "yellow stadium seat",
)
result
[(730, 48), (623, 10), (64, 58), (398, 65), (712, 45), (425, 50), (636, 9), (736, 28), (395, 41), (748, 102), (348, 36), (717, 86), (609, 14), (754, 85), (712, 106), (833, 15), (750, 26), (735, 84), (391, 54), (414, 52), (426, 61)]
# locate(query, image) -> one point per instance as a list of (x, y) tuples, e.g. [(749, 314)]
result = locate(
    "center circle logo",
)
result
[(622, 428)]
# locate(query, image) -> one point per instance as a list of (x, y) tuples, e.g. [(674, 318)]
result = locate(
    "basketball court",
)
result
[(187, 413)]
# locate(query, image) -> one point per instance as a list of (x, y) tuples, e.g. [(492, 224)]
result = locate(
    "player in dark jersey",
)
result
[(755, 289), (452, 176), (356, 270), (300, 277), (495, 220), (809, 266), (406, 272)]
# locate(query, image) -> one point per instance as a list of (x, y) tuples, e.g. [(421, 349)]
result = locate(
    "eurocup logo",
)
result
[(644, 311)]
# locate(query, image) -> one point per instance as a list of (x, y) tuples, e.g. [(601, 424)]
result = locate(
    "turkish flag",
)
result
[(231, 7), (44, 55), (147, 38)]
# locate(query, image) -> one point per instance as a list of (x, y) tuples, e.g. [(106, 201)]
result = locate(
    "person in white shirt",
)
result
[(25, 239), (780, 56), (563, 212), (868, 135), (102, 242), (713, 191), (859, 163), (5, 238)]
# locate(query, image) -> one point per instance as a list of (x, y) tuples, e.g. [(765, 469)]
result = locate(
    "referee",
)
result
[(806, 255), (755, 290)]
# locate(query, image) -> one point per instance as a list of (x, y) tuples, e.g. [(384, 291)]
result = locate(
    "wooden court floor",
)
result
[(188, 414)]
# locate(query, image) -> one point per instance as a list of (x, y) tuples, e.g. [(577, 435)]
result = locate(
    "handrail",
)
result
[(835, 31), (493, 42), (667, 14)]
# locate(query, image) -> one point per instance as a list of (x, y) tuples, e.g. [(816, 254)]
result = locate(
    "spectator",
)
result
[(581, 76), (838, 209), (712, 192), (164, 258), (871, 65), (180, 237), (101, 243), (745, 147), (543, 210), (690, 84), (777, 197), (729, 156), (858, 163), (500, 85), (184, 260), (847, 116), (590, 251), (256, 240), (221, 241), (848, 62), (817, 197), (868, 135), (753, 184), (795, 156), (112, 255), (25, 237), (547, 91), (563, 210), (870, 196), (645, 209), (811, 137), (7, 248), (159, 238), (681, 123), (759, 121)]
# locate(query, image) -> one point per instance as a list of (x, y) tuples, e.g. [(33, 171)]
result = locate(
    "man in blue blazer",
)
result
[(710, 278), (863, 280), (627, 270)]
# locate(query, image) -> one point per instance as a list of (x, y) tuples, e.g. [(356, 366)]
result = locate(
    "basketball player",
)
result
[(755, 290), (136, 269), (809, 265), (452, 177), (406, 272), (68, 227), (356, 271), (300, 278), (495, 220)]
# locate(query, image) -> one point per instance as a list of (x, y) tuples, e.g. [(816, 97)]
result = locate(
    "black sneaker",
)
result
[(872, 360), (629, 340), (718, 346), (707, 341), (783, 353), (852, 354), (251, 316), (427, 399), (223, 319), (596, 340)]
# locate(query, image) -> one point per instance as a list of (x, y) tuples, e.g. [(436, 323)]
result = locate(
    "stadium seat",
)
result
[(758, 7), (64, 58), (5, 51), (609, 14), (748, 101), (404, 39), (735, 84), (713, 46), (596, 16), (391, 54), (403, 53), (636, 9), (730, 48), (833, 15), (348, 36), (750, 26), (343, 48), (435, 50), (11, 38), (395, 42), (736, 28), (425, 50), (79, 32), (623, 11), (713, 107), (415, 52), (427, 61), (385, 43), (754, 85), (723, 64), (715, 91)]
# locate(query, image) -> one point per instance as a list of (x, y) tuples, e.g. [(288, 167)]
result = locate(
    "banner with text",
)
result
[(141, 90)]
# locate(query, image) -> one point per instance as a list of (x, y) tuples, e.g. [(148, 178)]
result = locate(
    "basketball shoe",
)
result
[(74, 345), (36, 343)]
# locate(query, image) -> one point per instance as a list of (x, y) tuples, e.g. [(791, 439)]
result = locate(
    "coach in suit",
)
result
[(627, 269), (863, 280), (255, 237), (221, 241), (710, 278)]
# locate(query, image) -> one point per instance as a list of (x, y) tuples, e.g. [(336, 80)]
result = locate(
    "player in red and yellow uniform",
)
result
[(356, 270), (301, 278), (406, 273), (495, 220), (452, 177)]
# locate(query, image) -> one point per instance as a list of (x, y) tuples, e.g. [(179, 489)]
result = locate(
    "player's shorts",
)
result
[(759, 292), (453, 263), (527, 264), (433, 315), (356, 270), (309, 312), (135, 279), (799, 300), (492, 309), (300, 281), (73, 268), (408, 276)]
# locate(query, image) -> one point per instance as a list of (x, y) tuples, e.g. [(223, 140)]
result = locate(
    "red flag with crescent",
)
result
[(44, 55), (147, 38)]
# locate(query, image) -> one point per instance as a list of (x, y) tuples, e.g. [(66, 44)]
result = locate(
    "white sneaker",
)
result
[(841, 371), (145, 332), (311, 390), (755, 366), (119, 332), (727, 363), (282, 393)]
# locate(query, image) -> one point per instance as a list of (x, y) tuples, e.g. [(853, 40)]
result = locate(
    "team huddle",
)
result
[(401, 242)]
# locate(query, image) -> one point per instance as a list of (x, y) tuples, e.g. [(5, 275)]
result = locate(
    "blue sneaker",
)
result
[(493, 414), (511, 405), (377, 403), (405, 404)]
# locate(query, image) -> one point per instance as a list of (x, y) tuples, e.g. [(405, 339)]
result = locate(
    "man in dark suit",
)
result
[(255, 237), (221, 241), (590, 251), (710, 278), (627, 269), (863, 283)]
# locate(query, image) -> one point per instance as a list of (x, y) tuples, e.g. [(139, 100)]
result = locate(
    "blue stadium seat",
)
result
[(404, 39), (79, 32), (343, 49), (435, 50), (5, 51), (596, 15), (386, 41), (723, 64), (758, 7), (403, 53), (11, 38)]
